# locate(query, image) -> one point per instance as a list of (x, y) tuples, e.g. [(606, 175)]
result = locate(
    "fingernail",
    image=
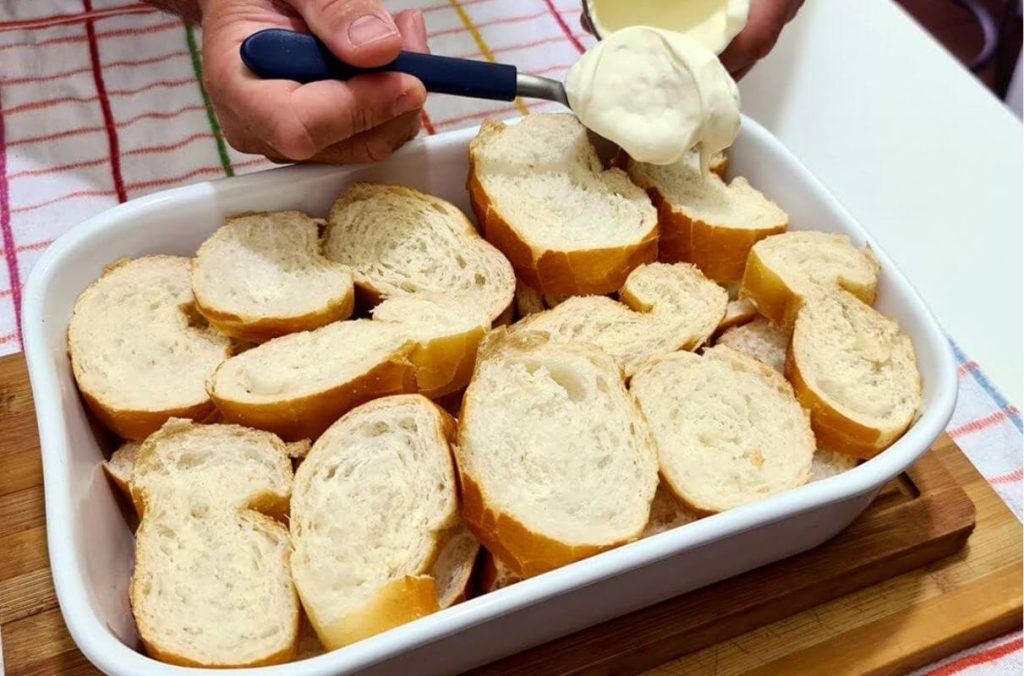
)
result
[(369, 28), (406, 103)]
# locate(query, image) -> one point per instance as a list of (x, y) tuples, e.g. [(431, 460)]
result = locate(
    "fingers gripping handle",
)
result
[(286, 55)]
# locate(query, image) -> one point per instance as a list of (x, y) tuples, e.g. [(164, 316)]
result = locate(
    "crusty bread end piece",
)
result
[(494, 574), (856, 372), (263, 275), (387, 467), (399, 241), (453, 569), (782, 270), (297, 385), (140, 353), (121, 466), (555, 461), (728, 429), (706, 221), (568, 225), (208, 553)]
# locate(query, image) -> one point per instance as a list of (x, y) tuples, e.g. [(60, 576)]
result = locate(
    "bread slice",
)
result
[(677, 291), (453, 569), (211, 585), (667, 308), (856, 372), (760, 340), (667, 512), (297, 385), (447, 331), (569, 226), (139, 352), (728, 429), (387, 467), (494, 574), (262, 275), (121, 466), (400, 241), (705, 220), (528, 301), (783, 269), (555, 461), (737, 313), (830, 463)]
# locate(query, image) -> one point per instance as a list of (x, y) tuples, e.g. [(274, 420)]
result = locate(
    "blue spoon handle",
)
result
[(286, 55)]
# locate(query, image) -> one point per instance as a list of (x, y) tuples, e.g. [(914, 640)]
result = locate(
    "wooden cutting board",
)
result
[(844, 607)]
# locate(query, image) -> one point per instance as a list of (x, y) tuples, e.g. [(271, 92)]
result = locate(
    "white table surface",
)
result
[(925, 157)]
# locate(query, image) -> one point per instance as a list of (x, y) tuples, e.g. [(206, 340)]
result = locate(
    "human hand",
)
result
[(361, 120), (765, 22)]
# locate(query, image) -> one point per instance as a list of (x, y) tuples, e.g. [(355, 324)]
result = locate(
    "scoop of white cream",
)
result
[(657, 94)]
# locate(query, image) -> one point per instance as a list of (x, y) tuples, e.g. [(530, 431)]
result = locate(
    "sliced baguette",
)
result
[(667, 308), (139, 352), (447, 331), (208, 553), (569, 226), (728, 429), (706, 221), (453, 569), (760, 340), (554, 459), (830, 463), (399, 241), (783, 269), (667, 512), (856, 372), (494, 574), (386, 466), (737, 313), (528, 301), (262, 275), (121, 466), (297, 385)]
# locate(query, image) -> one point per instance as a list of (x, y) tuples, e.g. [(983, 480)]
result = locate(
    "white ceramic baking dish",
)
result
[(91, 546)]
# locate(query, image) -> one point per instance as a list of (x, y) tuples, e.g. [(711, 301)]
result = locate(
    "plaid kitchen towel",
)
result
[(100, 102)]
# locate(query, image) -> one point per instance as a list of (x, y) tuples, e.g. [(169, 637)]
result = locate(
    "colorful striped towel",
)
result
[(100, 102)]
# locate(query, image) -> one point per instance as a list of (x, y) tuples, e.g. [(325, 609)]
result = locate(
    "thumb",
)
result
[(359, 32)]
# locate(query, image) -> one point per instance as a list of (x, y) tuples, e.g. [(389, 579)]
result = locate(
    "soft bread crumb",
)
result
[(387, 467), (568, 225), (399, 241), (664, 308), (556, 462), (784, 269), (299, 384), (262, 275), (728, 429), (760, 340), (856, 372), (139, 352), (207, 551)]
